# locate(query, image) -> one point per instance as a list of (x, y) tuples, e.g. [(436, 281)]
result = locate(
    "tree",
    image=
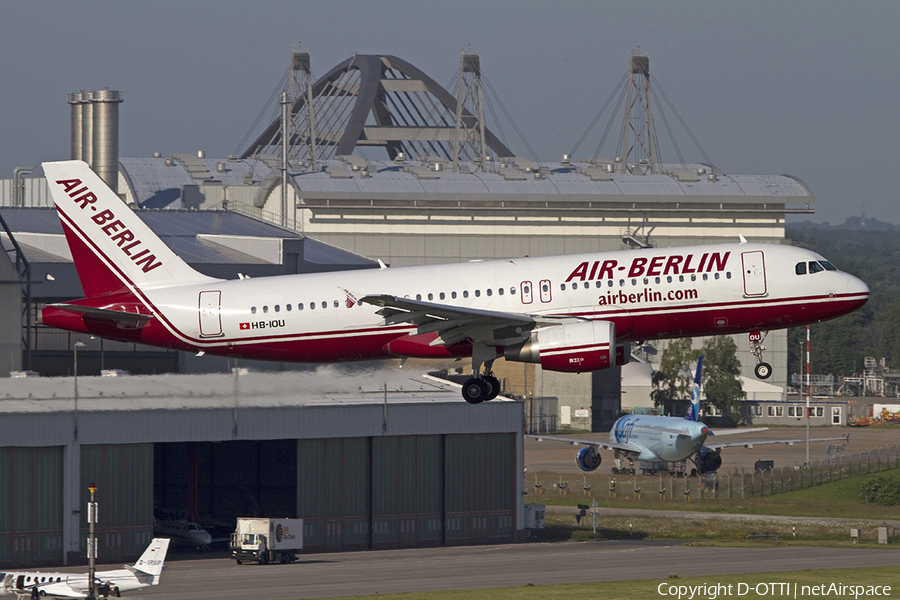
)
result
[(720, 381), (673, 381)]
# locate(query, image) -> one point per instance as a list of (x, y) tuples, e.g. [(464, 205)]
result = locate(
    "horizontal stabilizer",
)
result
[(104, 313)]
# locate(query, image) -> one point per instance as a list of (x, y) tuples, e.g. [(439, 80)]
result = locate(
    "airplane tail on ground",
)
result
[(151, 561), (694, 414), (113, 249)]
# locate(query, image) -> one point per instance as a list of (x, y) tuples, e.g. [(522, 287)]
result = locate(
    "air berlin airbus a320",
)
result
[(569, 313)]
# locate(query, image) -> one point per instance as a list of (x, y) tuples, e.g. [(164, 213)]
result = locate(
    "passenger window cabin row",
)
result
[(526, 289)]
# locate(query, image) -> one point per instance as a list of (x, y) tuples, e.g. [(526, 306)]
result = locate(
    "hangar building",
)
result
[(374, 461)]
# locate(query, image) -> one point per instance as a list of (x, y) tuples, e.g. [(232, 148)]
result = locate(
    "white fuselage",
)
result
[(659, 437), (648, 294), (67, 584)]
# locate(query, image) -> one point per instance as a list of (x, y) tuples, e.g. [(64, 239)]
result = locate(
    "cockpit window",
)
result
[(815, 267), (800, 268), (828, 266)]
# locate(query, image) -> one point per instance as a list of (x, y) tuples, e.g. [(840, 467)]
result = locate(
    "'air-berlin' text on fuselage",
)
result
[(112, 227), (674, 264)]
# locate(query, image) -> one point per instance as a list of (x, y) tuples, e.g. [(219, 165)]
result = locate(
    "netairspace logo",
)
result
[(772, 589)]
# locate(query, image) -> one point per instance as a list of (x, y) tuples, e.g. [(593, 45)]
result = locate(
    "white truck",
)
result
[(266, 540)]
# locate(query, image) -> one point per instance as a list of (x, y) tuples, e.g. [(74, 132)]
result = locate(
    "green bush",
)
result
[(881, 490)]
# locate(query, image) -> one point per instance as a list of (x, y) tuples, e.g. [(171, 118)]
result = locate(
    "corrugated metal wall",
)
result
[(409, 490), (36, 193), (123, 475), (31, 513)]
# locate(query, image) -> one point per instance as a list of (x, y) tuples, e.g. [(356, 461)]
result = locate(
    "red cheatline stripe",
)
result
[(572, 349)]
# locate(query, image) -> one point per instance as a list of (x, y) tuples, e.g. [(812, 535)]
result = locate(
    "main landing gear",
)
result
[(485, 386), (763, 370), (478, 389), (619, 469)]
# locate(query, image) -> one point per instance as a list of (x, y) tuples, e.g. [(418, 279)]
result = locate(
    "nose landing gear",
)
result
[(763, 370)]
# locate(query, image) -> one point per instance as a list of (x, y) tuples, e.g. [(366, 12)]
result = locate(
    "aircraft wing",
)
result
[(598, 444), (61, 590), (454, 324), (737, 431), (750, 444)]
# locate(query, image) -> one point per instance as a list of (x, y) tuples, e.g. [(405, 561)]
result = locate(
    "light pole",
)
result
[(92, 544), (78, 345), (808, 394)]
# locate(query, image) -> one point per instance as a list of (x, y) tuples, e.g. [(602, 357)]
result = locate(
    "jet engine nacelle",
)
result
[(709, 460), (588, 459), (570, 348)]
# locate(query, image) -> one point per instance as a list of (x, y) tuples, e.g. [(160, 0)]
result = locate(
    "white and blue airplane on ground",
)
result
[(654, 438), (35, 584)]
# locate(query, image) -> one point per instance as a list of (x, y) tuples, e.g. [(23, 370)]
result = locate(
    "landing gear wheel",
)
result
[(476, 391), (495, 386), (763, 370)]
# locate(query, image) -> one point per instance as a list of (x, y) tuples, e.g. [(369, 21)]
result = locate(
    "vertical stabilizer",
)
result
[(113, 249), (151, 561), (694, 414)]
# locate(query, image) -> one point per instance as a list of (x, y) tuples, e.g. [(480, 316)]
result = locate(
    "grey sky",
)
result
[(807, 88)]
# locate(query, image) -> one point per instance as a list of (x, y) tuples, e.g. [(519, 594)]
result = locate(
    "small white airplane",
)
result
[(35, 584), (666, 439), (572, 313), (182, 531)]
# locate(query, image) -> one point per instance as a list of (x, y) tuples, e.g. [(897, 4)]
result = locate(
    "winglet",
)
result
[(743, 239)]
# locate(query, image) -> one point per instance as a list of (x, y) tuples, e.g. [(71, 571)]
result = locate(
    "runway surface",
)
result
[(392, 571)]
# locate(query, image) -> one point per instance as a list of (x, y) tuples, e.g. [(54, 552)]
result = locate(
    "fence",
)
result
[(737, 484)]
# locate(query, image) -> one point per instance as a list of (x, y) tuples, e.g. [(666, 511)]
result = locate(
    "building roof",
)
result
[(330, 402), (123, 392), (156, 182)]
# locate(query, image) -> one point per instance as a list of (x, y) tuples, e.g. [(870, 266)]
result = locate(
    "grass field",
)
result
[(732, 532), (836, 499), (647, 589)]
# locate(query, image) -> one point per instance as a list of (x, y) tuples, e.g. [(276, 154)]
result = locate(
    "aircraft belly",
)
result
[(649, 455)]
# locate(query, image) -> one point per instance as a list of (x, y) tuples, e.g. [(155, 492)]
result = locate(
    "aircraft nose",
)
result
[(857, 287), (202, 538)]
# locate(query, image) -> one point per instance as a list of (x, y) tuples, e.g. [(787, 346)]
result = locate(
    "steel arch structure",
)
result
[(377, 101)]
